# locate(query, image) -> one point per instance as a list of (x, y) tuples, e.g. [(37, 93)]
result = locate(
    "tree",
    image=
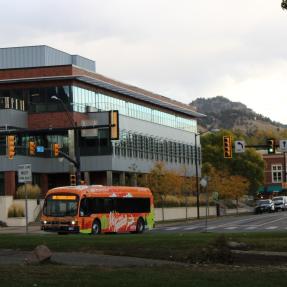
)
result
[(284, 4), (163, 182), (248, 165)]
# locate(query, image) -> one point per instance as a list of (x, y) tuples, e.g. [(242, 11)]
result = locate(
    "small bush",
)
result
[(33, 191), (16, 210)]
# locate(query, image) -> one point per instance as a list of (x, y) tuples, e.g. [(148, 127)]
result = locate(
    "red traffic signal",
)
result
[(56, 149), (11, 146), (32, 148), (227, 147)]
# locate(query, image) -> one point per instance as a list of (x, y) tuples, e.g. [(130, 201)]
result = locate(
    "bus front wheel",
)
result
[(140, 226), (96, 228)]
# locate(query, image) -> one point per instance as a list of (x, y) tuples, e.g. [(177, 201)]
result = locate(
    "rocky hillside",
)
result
[(225, 114)]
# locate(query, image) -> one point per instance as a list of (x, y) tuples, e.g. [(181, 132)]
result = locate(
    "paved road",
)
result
[(246, 223)]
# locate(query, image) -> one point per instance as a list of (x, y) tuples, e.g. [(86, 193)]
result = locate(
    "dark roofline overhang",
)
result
[(111, 87)]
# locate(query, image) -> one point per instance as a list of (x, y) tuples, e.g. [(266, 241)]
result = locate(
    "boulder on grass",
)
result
[(39, 255)]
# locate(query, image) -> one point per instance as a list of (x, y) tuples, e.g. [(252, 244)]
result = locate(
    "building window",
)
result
[(276, 173)]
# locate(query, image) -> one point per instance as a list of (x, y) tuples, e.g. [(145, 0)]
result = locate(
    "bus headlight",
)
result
[(73, 222)]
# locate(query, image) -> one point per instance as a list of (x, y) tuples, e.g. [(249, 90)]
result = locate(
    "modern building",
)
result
[(44, 88)]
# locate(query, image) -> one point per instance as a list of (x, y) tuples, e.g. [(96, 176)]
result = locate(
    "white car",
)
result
[(280, 202)]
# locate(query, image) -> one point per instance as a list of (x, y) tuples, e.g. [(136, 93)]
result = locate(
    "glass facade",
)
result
[(39, 100), (132, 145), (83, 98)]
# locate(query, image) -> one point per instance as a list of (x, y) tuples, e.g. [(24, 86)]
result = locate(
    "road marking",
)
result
[(172, 228), (250, 227), (231, 227), (268, 222), (211, 227), (192, 227), (271, 227)]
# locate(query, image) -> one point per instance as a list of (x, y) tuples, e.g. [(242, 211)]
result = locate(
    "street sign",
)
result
[(239, 146), (283, 145), (40, 148), (24, 173)]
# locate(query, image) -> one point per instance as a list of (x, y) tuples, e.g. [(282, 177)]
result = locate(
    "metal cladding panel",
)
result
[(21, 57), (84, 63), (156, 130), (55, 57), (40, 56), (13, 118)]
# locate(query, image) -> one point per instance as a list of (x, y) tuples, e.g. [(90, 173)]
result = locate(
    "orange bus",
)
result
[(98, 209)]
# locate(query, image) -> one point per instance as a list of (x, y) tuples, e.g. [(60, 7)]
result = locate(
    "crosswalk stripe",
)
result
[(250, 228), (271, 227), (191, 227), (231, 227), (172, 228)]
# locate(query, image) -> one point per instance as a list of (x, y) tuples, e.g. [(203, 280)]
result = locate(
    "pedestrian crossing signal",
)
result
[(227, 147)]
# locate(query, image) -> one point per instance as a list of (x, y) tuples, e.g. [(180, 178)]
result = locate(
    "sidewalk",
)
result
[(9, 256)]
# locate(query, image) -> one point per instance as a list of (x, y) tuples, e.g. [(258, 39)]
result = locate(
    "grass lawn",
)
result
[(212, 275), (173, 246)]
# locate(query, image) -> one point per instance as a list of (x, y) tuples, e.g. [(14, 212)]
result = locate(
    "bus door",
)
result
[(84, 216)]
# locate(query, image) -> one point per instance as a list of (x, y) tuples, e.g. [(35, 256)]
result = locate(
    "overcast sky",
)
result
[(182, 49)]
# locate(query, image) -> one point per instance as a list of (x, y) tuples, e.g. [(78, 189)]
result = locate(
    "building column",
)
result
[(134, 178), (87, 177), (123, 178), (10, 183), (44, 184), (109, 175)]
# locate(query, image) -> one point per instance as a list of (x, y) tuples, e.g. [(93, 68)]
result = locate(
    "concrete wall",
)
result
[(177, 213), (33, 210)]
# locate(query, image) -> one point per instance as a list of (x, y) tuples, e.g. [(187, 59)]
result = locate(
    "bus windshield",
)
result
[(59, 205)]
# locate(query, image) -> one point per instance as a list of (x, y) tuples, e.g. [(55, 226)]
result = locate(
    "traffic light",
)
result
[(11, 146), (227, 147), (114, 120), (56, 149), (73, 179), (32, 148), (270, 146)]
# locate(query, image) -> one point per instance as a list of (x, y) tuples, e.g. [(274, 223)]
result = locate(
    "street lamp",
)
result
[(196, 168), (76, 137)]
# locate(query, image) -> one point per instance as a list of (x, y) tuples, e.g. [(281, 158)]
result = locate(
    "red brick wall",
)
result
[(270, 160), (10, 182), (52, 71), (55, 120)]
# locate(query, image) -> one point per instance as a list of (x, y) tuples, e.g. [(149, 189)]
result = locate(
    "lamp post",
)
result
[(196, 168), (76, 137)]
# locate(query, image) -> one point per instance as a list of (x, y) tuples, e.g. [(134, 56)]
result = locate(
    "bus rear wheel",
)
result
[(140, 226), (96, 227)]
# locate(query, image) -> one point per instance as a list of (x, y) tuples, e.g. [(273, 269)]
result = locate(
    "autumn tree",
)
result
[(248, 165), (163, 182), (226, 185)]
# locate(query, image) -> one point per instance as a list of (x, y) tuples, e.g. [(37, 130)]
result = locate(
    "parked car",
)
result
[(280, 202), (264, 205)]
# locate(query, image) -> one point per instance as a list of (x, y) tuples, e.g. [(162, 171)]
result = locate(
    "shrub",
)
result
[(33, 191), (16, 210)]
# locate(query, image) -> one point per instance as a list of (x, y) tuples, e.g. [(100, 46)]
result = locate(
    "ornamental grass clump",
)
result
[(33, 191), (16, 210)]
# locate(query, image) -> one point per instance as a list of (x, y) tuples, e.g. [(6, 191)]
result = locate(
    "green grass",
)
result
[(215, 276), (174, 246)]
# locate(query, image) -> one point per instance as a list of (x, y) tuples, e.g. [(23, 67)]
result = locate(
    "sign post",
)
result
[(25, 176)]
